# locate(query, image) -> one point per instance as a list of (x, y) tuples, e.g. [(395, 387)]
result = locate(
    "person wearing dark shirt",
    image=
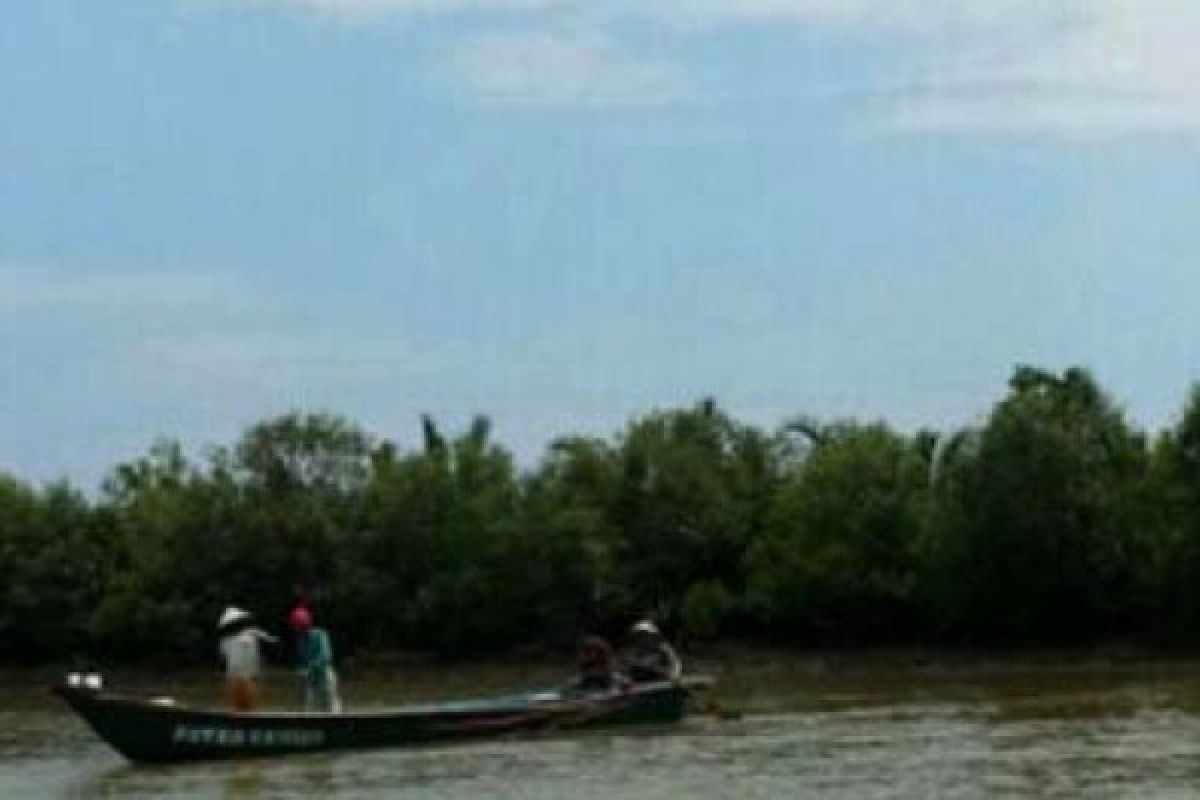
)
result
[(597, 666)]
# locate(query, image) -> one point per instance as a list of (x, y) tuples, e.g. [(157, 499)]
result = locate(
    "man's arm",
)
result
[(675, 668), (264, 636)]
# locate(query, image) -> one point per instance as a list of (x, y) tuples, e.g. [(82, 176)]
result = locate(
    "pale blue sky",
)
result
[(563, 213)]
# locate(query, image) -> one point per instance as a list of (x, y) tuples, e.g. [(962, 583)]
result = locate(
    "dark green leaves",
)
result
[(1054, 520)]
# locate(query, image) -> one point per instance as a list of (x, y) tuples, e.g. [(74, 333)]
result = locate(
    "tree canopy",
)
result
[(1054, 520)]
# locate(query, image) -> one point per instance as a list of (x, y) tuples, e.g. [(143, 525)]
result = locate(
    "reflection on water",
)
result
[(873, 730)]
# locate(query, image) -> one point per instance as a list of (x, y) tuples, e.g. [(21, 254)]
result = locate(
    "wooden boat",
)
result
[(159, 731)]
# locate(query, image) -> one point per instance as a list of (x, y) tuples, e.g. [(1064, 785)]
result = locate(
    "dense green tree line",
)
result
[(1053, 521)]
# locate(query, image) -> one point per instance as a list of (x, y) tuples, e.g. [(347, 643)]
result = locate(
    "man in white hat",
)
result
[(650, 657), (240, 643)]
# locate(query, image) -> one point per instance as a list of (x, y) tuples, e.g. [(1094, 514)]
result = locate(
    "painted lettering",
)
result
[(238, 737)]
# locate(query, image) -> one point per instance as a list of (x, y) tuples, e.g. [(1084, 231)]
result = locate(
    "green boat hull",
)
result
[(144, 730)]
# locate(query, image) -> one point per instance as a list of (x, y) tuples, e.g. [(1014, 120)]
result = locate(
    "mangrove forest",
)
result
[(1053, 520)]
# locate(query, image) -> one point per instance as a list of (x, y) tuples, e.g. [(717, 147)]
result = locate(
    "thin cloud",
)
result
[(313, 352), (368, 9), (561, 68), (1017, 66), (1129, 67), (197, 329), (913, 16), (50, 290), (1026, 66), (1070, 66)]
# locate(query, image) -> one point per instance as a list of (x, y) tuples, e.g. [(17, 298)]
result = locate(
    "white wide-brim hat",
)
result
[(231, 615), (646, 627)]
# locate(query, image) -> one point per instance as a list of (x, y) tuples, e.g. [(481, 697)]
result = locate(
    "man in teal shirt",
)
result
[(316, 664)]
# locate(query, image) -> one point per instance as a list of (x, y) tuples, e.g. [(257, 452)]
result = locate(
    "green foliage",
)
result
[(706, 608), (1053, 521), (694, 489), (441, 549), (1038, 533), (575, 543), (53, 557), (840, 555), (305, 452), (1176, 483)]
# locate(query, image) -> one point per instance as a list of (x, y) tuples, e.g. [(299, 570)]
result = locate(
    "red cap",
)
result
[(300, 618)]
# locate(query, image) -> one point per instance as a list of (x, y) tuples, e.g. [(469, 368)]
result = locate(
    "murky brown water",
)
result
[(847, 727)]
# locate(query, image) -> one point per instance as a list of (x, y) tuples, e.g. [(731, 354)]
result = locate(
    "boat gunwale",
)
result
[(449, 709)]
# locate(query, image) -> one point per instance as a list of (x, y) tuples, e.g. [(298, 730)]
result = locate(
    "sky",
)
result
[(565, 213)]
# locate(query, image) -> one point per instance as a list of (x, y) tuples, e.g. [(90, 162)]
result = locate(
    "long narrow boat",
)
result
[(149, 730)]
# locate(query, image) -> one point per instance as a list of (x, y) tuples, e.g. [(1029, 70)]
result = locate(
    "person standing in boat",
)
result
[(649, 657), (300, 618), (315, 663), (240, 645)]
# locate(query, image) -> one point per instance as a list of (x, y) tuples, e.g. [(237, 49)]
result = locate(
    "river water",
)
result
[(844, 726)]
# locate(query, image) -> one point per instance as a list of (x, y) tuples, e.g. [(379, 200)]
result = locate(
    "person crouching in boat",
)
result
[(240, 645), (649, 657), (316, 663), (597, 667)]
